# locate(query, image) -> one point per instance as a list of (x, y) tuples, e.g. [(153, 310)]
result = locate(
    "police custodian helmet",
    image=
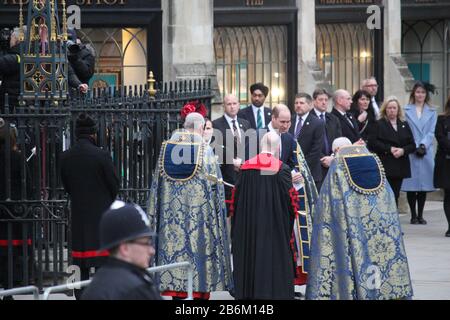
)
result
[(121, 223)]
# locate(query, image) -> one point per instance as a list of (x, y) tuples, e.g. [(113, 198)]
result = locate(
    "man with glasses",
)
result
[(371, 86), (125, 232)]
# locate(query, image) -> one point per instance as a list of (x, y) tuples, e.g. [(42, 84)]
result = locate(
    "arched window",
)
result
[(246, 55), (426, 47), (345, 53), (121, 55)]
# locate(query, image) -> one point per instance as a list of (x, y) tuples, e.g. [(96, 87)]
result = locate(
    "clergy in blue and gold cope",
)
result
[(188, 213), (305, 207), (357, 250)]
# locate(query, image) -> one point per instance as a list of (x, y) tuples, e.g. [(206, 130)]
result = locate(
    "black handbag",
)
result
[(421, 151)]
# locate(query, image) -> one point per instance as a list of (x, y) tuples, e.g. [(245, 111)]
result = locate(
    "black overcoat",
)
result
[(442, 160), (88, 176), (382, 137)]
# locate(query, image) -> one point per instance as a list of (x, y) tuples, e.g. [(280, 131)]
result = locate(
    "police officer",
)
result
[(10, 72), (81, 62), (125, 232)]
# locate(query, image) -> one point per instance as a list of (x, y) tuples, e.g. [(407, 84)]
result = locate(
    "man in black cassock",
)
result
[(263, 218)]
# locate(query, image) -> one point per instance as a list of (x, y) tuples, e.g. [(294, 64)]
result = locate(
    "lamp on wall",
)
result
[(365, 55)]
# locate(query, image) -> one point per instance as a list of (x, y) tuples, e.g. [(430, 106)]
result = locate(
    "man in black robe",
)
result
[(262, 226)]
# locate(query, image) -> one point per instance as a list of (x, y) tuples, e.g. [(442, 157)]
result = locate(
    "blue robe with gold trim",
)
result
[(307, 203), (357, 250), (189, 215)]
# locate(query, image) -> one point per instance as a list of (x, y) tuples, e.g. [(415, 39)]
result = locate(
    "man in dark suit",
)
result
[(333, 129), (230, 141), (258, 115), (342, 102), (281, 122), (371, 86), (309, 132)]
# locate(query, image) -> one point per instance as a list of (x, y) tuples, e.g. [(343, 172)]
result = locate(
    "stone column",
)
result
[(398, 79), (310, 76), (188, 47), (188, 41)]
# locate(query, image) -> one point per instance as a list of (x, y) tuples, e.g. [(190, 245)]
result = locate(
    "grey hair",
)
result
[(365, 81), (339, 143), (16, 32), (271, 142), (338, 93), (194, 121)]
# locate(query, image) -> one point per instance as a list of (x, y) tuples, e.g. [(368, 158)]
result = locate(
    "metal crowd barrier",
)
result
[(21, 290), (82, 284)]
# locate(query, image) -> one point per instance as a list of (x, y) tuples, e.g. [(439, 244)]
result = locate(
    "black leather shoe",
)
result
[(422, 220), (299, 296), (414, 221), (447, 234)]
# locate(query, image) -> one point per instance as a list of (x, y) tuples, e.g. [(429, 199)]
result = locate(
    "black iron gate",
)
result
[(34, 214)]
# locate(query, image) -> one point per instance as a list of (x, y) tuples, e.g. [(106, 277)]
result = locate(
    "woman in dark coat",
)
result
[(363, 113), (392, 140), (442, 160)]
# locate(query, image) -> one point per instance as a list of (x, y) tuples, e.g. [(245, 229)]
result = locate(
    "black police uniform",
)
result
[(120, 280), (10, 72), (81, 66)]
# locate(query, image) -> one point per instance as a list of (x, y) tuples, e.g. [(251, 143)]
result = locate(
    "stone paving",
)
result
[(428, 254)]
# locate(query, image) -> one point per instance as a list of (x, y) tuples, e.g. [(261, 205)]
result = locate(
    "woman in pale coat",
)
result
[(422, 119)]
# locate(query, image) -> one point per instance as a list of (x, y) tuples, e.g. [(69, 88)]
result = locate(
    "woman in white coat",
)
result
[(422, 119)]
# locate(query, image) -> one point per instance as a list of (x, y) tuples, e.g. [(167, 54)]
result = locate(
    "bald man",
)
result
[(342, 101), (230, 144), (263, 219)]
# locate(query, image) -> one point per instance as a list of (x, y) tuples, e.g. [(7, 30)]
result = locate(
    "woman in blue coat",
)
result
[(422, 120)]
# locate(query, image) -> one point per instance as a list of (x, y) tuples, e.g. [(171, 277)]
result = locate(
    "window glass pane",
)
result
[(121, 55), (252, 54), (345, 53)]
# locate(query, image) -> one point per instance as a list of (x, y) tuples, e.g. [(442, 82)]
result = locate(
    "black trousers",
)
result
[(416, 197), (396, 185), (447, 205)]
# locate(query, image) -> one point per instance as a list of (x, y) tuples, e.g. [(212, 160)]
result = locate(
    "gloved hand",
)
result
[(421, 151)]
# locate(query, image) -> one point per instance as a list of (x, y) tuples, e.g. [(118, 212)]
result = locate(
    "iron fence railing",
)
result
[(34, 213)]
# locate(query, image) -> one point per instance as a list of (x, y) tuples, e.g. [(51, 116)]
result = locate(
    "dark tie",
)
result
[(326, 145), (349, 120), (299, 127), (236, 139)]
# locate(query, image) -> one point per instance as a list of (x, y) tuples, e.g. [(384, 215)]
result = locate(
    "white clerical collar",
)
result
[(268, 152)]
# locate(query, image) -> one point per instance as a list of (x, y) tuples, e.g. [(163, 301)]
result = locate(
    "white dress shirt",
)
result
[(230, 123), (303, 120), (376, 108), (255, 114), (318, 113)]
